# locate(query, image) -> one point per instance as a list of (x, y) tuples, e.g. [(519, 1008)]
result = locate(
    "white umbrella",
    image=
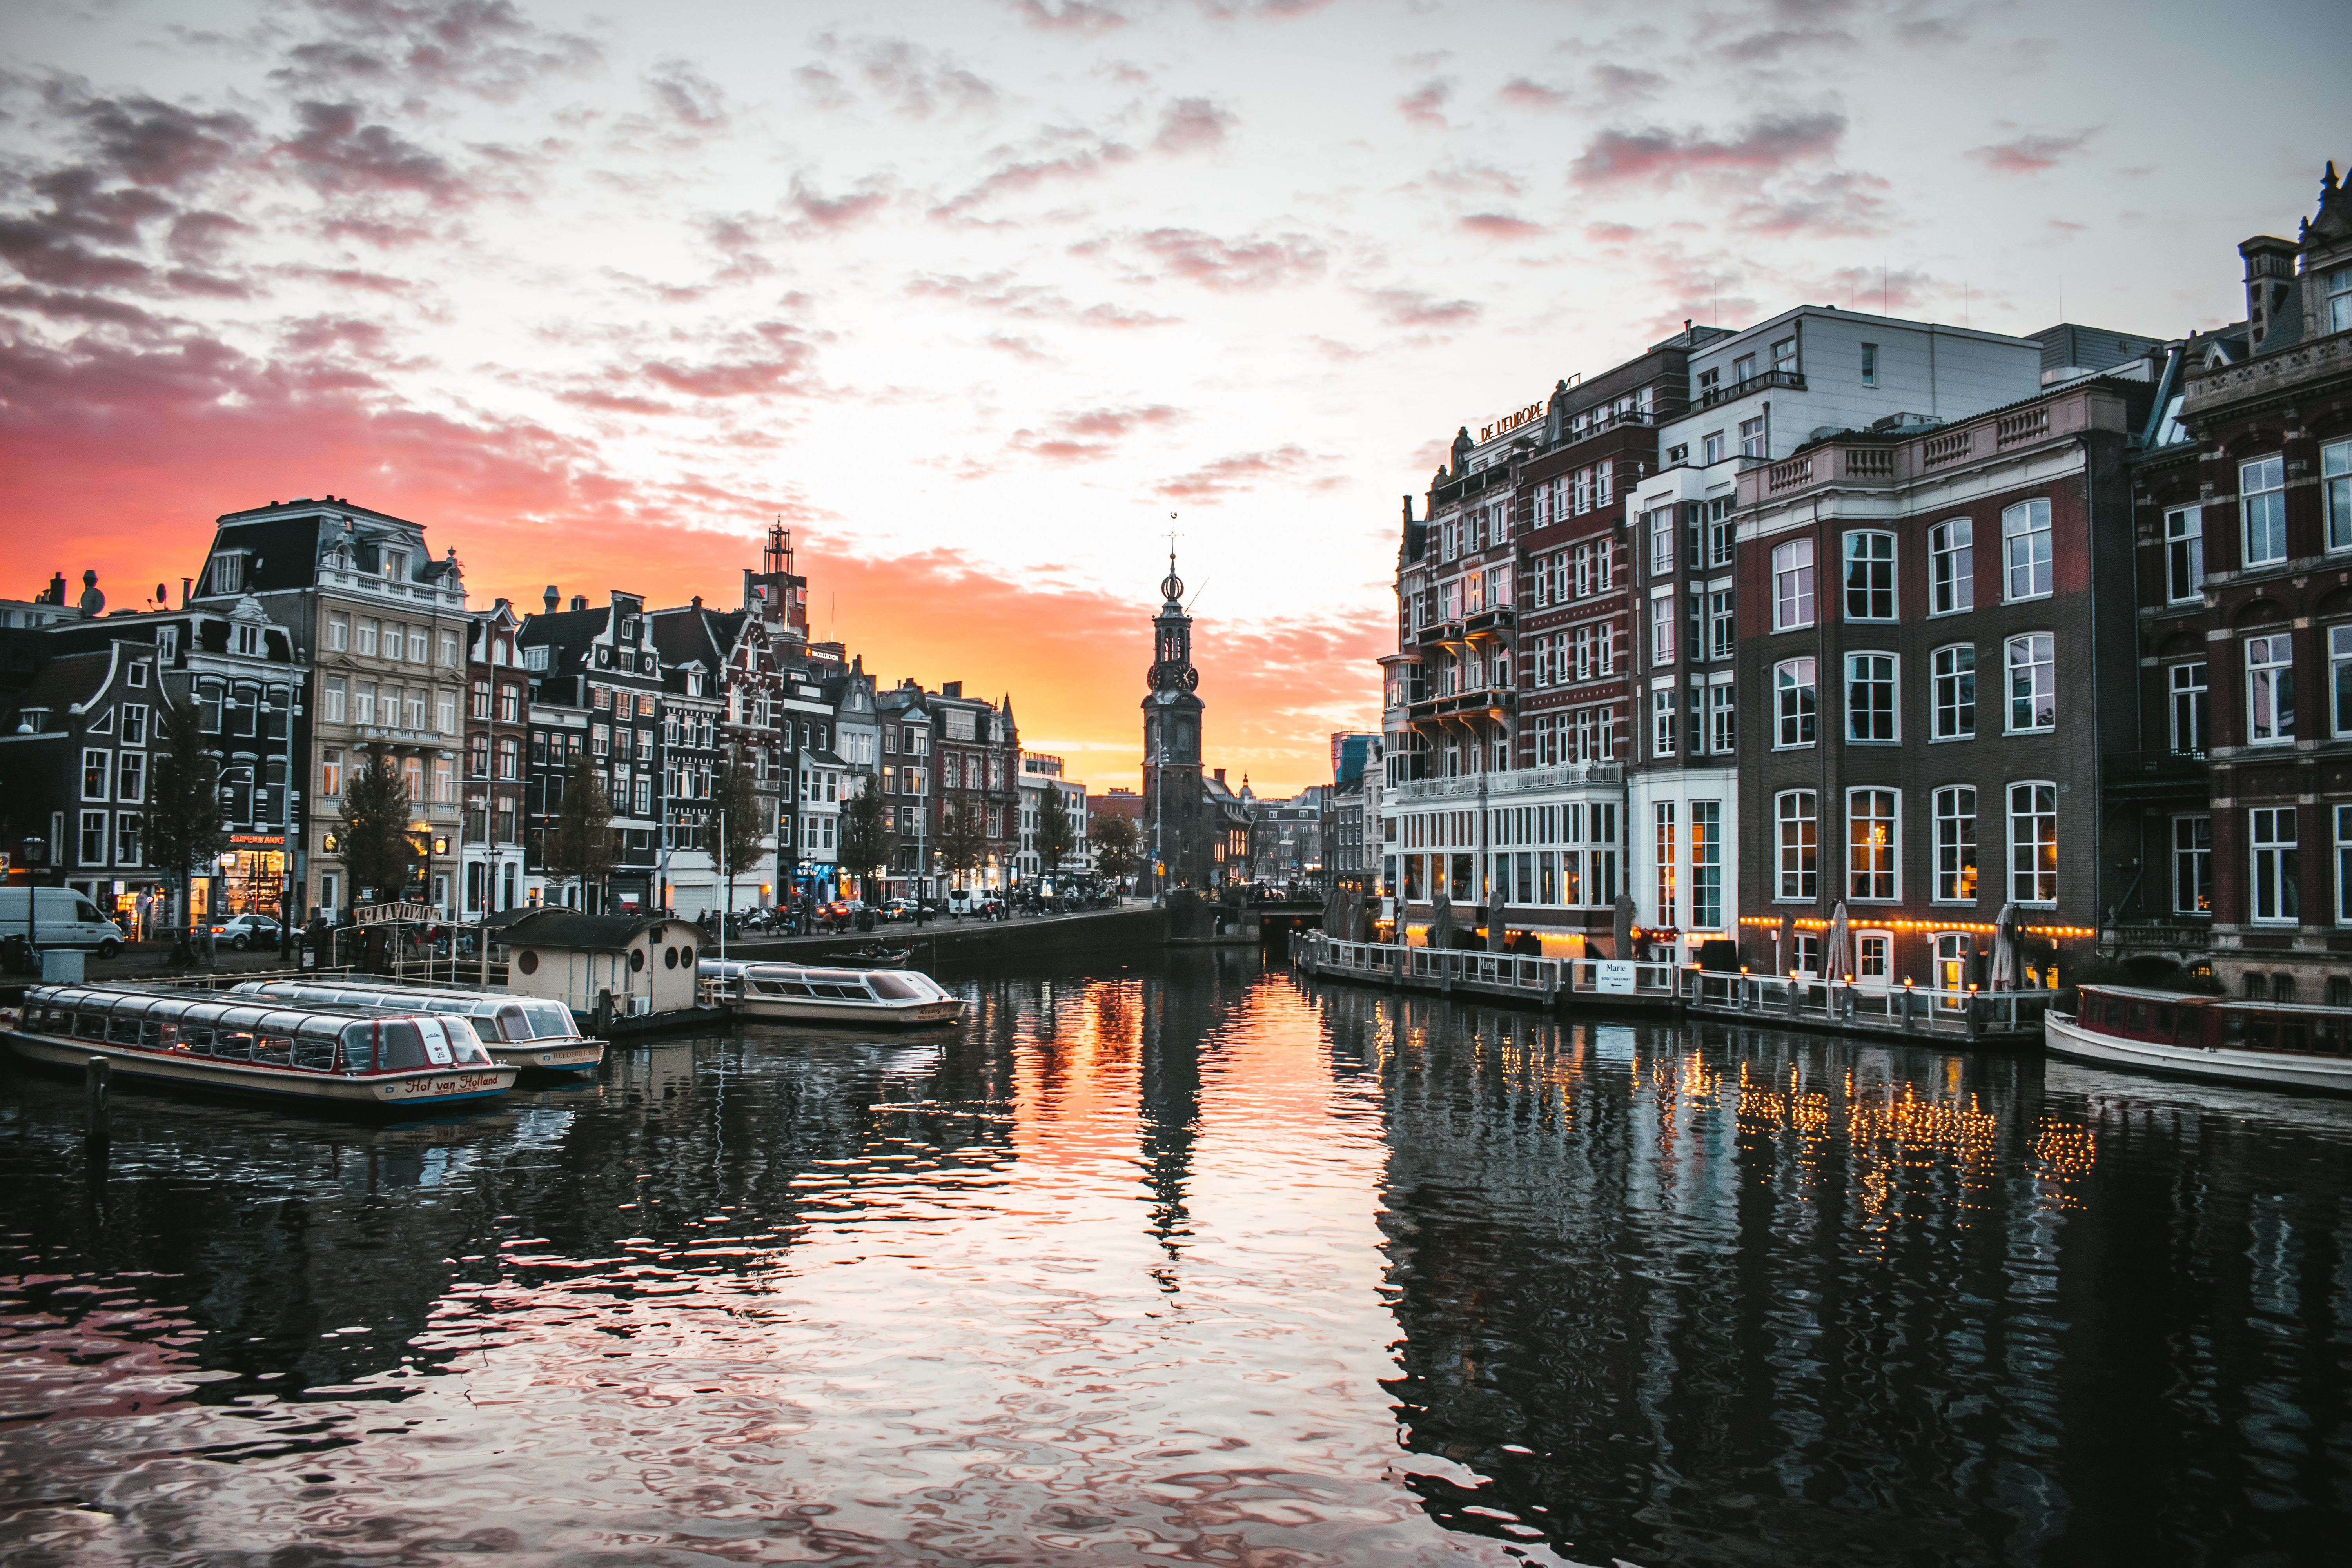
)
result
[(2004, 949), (1833, 944)]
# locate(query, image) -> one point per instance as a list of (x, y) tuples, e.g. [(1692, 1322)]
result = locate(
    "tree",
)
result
[(1113, 840), (963, 839), (183, 822), (580, 843), (373, 836), (740, 830), (1057, 833), (865, 842)]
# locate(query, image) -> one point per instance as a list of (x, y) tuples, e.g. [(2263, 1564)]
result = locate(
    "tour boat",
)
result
[(2280, 1044), (810, 995), (309, 1055), (530, 1032)]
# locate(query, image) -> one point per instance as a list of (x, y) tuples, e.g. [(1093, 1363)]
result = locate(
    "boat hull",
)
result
[(863, 1015), (575, 1057), (425, 1089), (2064, 1038)]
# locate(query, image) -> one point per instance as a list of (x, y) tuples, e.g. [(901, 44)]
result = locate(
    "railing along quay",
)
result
[(2003, 1017)]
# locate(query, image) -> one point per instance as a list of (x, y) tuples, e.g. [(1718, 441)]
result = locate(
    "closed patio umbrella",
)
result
[(1623, 930), (1440, 920), (1833, 945), (2005, 935), (1497, 922)]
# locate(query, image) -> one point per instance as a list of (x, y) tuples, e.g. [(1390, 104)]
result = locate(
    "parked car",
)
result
[(242, 931), (897, 909), (60, 918)]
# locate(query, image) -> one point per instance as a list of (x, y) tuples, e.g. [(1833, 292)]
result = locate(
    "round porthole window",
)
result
[(637, 958), (670, 958), (526, 960), (686, 957)]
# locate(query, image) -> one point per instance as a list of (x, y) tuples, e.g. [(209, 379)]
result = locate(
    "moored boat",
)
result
[(528, 1032), (2281, 1044), (308, 1055), (804, 994)]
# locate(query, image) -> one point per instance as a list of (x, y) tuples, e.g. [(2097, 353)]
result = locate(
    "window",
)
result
[(449, 649), (2184, 555), (1709, 381), (2270, 690), (1662, 723), (417, 648), (1793, 701), (2343, 865), (2262, 506), (2339, 675), (509, 704), (339, 631), (2192, 864), (1707, 864), (1870, 696), (1751, 437), (480, 706), (1870, 364), (93, 838), (331, 772), (331, 700), (1662, 542), (131, 777), (134, 721), (228, 577), (412, 777), (94, 771), (1722, 720), (2276, 894), (1794, 824), (1956, 845), (1953, 677), (2032, 683), (2033, 842), (1711, 446), (2191, 725), (2025, 550), (1663, 910), (367, 637), (2339, 300), (445, 712), (1722, 630), (1869, 576), (1792, 584), (127, 846), (443, 784), (1784, 355), (2336, 485), (1870, 844), (248, 641), (1662, 629), (1952, 567), (1743, 368)]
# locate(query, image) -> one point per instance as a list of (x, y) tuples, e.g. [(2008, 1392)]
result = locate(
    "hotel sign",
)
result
[(1510, 422)]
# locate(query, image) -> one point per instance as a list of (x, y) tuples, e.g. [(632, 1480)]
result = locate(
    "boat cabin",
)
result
[(2214, 1023), (512, 1020), (647, 963)]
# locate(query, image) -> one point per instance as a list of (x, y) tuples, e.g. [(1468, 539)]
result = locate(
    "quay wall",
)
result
[(977, 941)]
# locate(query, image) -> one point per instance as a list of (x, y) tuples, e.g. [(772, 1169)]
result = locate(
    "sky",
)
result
[(985, 301)]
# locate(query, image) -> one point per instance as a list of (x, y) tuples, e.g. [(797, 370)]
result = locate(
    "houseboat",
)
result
[(528, 1032), (2278, 1045), (298, 1055), (900, 997)]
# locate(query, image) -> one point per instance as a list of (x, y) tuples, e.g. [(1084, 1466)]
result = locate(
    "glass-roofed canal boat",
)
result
[(2281, 1045), (534, 1032), (806, 994), (293, 1053)]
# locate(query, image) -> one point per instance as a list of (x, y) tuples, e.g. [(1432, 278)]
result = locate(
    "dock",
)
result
[(1574, 986)]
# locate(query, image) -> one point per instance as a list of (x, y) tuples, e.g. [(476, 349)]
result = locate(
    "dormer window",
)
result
[(535, 657), (227, 573), (395, 565), (248, 641), (167, 643)]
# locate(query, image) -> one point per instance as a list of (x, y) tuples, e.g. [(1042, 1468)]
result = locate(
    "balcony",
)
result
[(1764, 381), (1462, 705), (1488, 623), (1501, 786), (2156, 775), (1438, 633)]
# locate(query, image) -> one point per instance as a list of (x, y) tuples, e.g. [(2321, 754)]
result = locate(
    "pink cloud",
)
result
[(1525, 92), (1191, 123), (1426, 105), (339, 153), (2032, 155), (1092, 434), (1411, 308), (1659, 156), (1502, 226), (1235, 266), (1212, 482)]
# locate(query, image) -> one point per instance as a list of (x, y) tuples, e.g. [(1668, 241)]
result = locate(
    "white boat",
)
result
[(2278, 1045), (308, 1055), (528, 1032), (902, 997)]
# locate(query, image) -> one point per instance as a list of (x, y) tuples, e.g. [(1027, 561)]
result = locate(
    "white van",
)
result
[(63, 917), (966, 902)]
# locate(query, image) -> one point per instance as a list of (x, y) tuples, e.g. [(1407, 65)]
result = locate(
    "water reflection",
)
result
[(1188, 1262)]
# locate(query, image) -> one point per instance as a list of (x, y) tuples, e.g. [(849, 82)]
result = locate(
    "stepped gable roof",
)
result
[(580, 933)]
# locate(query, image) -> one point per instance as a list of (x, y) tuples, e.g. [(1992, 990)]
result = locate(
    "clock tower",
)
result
[(1175, 830)]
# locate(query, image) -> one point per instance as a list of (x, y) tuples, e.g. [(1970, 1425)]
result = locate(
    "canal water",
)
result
[(1186, 1262)]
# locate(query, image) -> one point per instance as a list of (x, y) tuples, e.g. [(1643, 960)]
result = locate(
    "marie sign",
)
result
[(380, 914)]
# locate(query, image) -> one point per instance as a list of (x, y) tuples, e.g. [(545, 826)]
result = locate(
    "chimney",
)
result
[(578, 601), (1221, 776), (697, 601), (553, 598), (185, 584)]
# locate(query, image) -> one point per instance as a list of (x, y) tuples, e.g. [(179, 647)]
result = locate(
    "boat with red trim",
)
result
[(533, 1033), (313, 1055), (2280, 1044)]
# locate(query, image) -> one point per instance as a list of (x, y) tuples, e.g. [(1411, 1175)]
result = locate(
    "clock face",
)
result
[(1192, 678), (1152, 676)]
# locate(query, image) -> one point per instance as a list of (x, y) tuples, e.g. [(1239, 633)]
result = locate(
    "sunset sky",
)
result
[(974, 295)]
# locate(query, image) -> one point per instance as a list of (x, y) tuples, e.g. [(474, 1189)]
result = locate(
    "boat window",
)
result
[(400, 1046), (894, 987), (359, 1047), (2135, 1016), (842, 993), (2260, 1032), (795, 988), (2115, 1014), (2163, 1019), (233, 1044), (276, 1049), (2293, 1035), (465, 1046), (549, 1021), (122, 1029), (512, 1024), (314, 1045)]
